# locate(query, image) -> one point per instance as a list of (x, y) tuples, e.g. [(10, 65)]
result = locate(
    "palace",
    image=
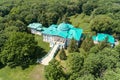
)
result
[(60, 34)]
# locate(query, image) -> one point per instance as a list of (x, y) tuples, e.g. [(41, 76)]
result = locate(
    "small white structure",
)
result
[(116, 42), (36, 28)]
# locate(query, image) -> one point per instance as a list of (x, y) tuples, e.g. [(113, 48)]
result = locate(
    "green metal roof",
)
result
[(101, 37), (64, 30), (63, 27), (36, 26), (75, 33)]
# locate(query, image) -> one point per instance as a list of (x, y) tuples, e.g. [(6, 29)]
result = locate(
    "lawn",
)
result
[(34, 72), (43, 47), (63, 63), (41, 43)]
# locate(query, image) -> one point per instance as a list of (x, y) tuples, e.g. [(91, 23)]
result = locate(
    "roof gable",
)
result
[(75, 33)]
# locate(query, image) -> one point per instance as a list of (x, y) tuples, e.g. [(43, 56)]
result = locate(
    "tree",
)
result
[(74, 76), (42, 18), (11, 29), (75, 62), (4, 10), (86, 77), (18, 50), (54, 71), (94, 49), (102, 23), (117, 48), (98, 63), (52, 18), (88, 8), (111, 74), (22, 27), (116, 28), (1, 26), (87, 44), (103, 45), (73, 47), (3, 39), (72, 8), (62, 54), (100, 10), (30, 18)]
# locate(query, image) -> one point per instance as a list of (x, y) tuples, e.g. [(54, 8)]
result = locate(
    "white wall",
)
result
[(53, 40), (35, 32)]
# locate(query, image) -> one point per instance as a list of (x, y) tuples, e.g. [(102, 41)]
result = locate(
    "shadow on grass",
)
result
[(39, 53)]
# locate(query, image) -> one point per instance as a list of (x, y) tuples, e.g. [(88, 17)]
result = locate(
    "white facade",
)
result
[(55, 39), (36, 32)]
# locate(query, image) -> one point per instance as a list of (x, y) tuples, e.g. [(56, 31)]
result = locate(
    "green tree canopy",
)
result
[(99, 62), (87, 43), (112, 74), (62, 54), (102, 23), (86, 77), (54, 71), (73, 47), (18, 50), (75, 62), (88, 7)]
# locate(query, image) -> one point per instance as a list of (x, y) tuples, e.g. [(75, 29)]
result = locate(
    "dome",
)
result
[(63, 27)]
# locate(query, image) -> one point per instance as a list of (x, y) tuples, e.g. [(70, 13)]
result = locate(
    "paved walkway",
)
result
[(50, 55)]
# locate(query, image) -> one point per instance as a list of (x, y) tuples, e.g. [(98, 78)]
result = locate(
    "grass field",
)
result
[(43, 47), (34, 72), (42, 44)]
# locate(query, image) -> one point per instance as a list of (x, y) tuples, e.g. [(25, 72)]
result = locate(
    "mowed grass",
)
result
[(63, 63), (34, 72), (41, 43), (81, 21)]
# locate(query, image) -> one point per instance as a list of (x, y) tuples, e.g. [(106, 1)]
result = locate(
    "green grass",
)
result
[(63, 63), (43, 47), (34, 72), (81, 21), (41, 43)]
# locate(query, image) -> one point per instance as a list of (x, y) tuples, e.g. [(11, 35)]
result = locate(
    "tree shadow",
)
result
[(1, 65), (39, 53)]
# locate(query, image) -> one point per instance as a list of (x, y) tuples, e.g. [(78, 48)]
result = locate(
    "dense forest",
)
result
[(86, 62)]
